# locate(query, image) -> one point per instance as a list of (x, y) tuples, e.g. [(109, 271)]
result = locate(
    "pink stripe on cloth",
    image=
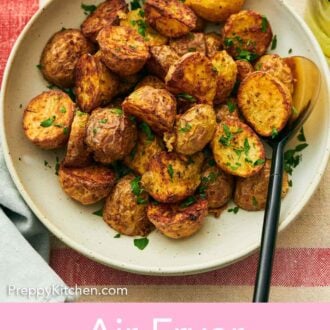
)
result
[(293, 268)]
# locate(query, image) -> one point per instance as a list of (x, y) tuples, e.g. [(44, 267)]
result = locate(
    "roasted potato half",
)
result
[(156, 107), (77, 153), (171, 178), (215, 10), (213, 43), (148, 145), (251, 193), (176, 221), (47, 119), (125, 209), (111, 135), (237, 149), (244, 68), (194, 75), (161, 58), (61, 54), (228, 110), (107, 13), (123, 50), (135, 19), (192, 42), (95, 84), (247, 35), (170, 18), (265, 103), (87, 185), (151, 81), (277, 67), (194, 129), (227, 73)]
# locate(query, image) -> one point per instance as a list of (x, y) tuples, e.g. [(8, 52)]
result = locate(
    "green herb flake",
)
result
[(57, 165), (231, 106), (103, 121), (186, 128), (135, 4), (141, 13), (88, 9), (188, 202), (145, 128), (65, 131), (294, 110), (301, 137), (259, 162), (234, 210), (141, 201), (170, 171), (117, 111), (274, 42), (290, 183), (228, 42), (63, 110), (39, 66), (264, 24), (187, 97), (135, 186), (246, 147), (246, 55), (141, 243), (254, 201), (274, 133), (99, 213), (117, 236), (290, 51), (225, 140), (48, 122)]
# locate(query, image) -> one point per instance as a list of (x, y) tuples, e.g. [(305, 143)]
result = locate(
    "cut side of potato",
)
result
[(47, 119), (194, 75), (178, 221), (171, 18), (237, 149), (192, 42), (123, 50), (265, 103), (156, 107), (213, 43), (95, 84), (87, 185), (228, 110)]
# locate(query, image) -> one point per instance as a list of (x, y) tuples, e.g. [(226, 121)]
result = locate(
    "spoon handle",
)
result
[(271, 220)]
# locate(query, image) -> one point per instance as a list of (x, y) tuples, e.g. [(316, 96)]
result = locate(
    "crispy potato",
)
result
[(251, 193), (237, 149), (95, 84), (171, 178), (161, 58), (77, 153), (87, 185), (192, 42), (107, 13), (123, 50), (217, 186), (156, 107), (177, 222), (127, 84), (213, 43), (215, 10), (277, 67), (265, 103), (61, 54), (247, 35), (151, 81), (228, 110), (244, 68), (126, 212), (194, 129), (170, 18), (227, 73), (135, 19), (111, 135), (193, 74), (146, 148), (47, 119)]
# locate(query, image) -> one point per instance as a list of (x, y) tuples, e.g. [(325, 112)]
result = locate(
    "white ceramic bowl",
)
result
[(221, 241)]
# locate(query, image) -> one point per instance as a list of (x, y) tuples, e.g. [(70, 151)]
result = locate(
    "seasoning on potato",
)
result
[(213, 43), (244, 68), (265, 103), (111, 135), (228, 110), (171, 18), (47, 119), (123, 50), (87, 185), (61, 54), (125, 209), (151, 81), (192, 42)]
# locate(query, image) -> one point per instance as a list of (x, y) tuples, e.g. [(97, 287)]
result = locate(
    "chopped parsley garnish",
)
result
[(70, 92), (228, 42), (187, 97), (57, 165), (234, 210), (141, 13), (63, 110), (246, 147), (145, 128), (135, 186), (290, 51), (120, 169), (294, 110), (264, 24), (185, 129), (48, 122), (254, 201), (188, 202), (103, 121), (117, 111), (274, 42), (231, 106), (65, 130), (141, 201), (117, 236), (170, 171), (274, 133), (290, 183), (141, 243), (259, 162), (246, 55), (141, 26), (88, 9), (135, 4), (39, 66), (301, 137), (226, 139), (51, 86), (99, 212)]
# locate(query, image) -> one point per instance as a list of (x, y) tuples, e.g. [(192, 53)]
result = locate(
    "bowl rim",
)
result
[(134, 268)]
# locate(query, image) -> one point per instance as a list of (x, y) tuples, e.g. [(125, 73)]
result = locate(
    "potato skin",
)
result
[(213, 43), (61, 54), (123, 213), (193, 74), (156, 107), (228, 110), (47, 119), (215, 10), (244, 68), (151, 81), (111, 135), (123, 50), (194, 129), (170, 18), (87, 185), (127, 84), (247, 31), (176, 222), (171, 178), (265, 103), (227, 73), (237, 150), (161, 59), (95, 84), (77, 153), (107, 13), (192, 42), (251, 193)]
